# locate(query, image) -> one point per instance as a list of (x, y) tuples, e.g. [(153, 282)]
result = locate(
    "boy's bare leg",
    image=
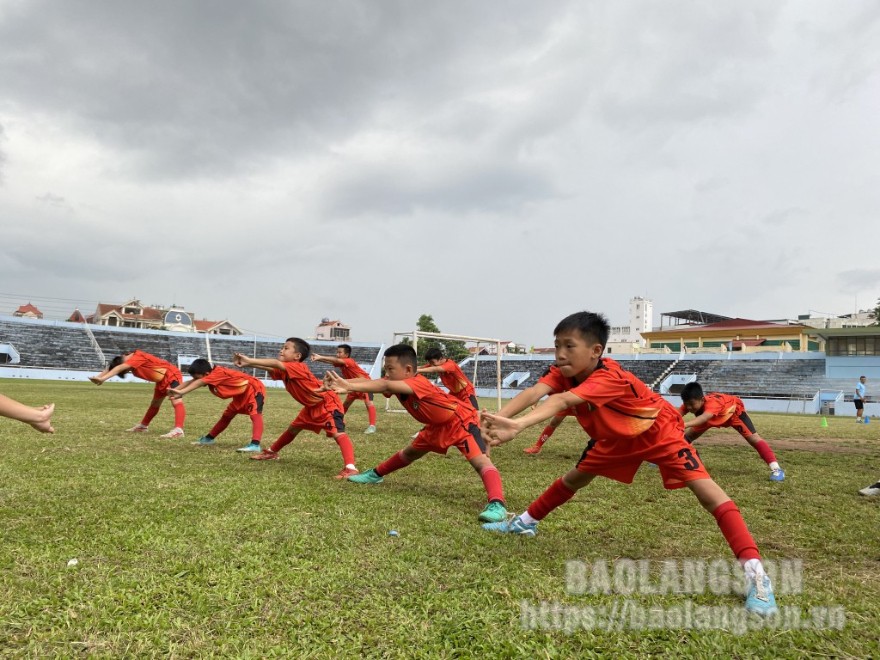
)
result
[(40, 418)]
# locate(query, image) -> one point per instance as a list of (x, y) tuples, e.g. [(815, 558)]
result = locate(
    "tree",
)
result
[(454, 350), (876, 313)]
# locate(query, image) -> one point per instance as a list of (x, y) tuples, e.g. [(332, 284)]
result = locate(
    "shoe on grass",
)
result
[(368, 477), (345, 473), (250, 447), (871, 491), (265, 455), (370, 429), (205, 441), (513, 526), (777, 475), (176, 432), (760, 599), (138, 428), (493, 513), (534, 449)]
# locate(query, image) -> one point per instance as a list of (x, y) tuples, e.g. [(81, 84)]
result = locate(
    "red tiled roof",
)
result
[(24, 309), (76, 317)]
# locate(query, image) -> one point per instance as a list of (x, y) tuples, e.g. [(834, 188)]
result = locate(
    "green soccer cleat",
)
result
[(760, 599), (205, 441), (368, 477), (249, 448), (514, 526), (493, 513)]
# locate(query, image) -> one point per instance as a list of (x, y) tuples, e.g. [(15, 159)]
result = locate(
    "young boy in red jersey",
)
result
[(448, 423), (247, 393), (322, 411), (451, 376), (40, 418), (716, 410), (628, 424), (156, 370), (351, 369)]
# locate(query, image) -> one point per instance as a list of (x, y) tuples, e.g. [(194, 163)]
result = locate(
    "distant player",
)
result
[(859, 399), (156, 370), (449, 422), (451, 376), (351, 370), (628, 424), (40, 418), (716, 410), (248, 395), (322, 411), (547, 432)]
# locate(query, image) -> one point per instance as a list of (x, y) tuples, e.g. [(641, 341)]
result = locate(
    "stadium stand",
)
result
[(48, 344)]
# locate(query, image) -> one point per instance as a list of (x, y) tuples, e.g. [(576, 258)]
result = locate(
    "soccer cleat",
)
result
[(513, 526), (370, 429), (345, 473), (534, 449), (858, 420), (368, 477), (493, 513), (138, 428), (265, 455), (252, 447), (205, 441), (176, 432), (871, 491), (777, 475), (760, 598)]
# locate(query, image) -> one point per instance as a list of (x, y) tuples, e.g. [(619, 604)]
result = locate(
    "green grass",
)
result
[(186, 551)]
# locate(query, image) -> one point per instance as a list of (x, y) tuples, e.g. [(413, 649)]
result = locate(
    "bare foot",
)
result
[(96, 380), (43, 421)]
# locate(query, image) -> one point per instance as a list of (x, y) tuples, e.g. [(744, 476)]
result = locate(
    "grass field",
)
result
[(185, 551)]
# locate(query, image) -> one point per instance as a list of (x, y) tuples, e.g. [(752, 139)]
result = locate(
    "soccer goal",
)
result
[(476, 346)]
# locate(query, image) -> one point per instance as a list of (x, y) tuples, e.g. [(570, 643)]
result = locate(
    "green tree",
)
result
[(876, 313), (454, 350)]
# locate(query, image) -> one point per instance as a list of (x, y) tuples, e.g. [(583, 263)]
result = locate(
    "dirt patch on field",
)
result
[(826, 445)]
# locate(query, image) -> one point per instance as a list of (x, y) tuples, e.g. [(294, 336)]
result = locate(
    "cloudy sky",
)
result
[(495, 164)]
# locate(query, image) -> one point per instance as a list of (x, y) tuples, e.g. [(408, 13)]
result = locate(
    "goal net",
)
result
[(482, 365)]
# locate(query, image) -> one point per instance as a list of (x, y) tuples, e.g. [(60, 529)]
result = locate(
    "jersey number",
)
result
[(690, 462)]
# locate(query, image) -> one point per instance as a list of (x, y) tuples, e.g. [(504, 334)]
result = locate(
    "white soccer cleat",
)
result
[(871, 491), (176, 432), (138, 428)]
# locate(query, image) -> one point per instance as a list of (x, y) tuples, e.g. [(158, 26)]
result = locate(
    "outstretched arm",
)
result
[(107, 374), (40, 418), (699, 420), (430, 370), (180, 390), (269, 364), (525, 399), (328, 359), (335, 383), (501, 429)]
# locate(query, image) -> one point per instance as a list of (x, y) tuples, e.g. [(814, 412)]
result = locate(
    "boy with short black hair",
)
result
[(448, 421), (717, 410), (451, 376), (322, 411), (350, 370), (247, 393), (628, 424), (156, 370)]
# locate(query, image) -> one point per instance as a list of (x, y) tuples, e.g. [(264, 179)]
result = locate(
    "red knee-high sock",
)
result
[(346, 448), (220, 426), (393, 463), (765, 452), (492, 483), (546, 433), (179, 413), (557, 495), (371, 413), (283, 440), (735, 532), (257, 426), (148, 416)]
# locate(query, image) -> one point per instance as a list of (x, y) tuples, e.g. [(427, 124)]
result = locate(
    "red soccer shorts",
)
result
[(438, 438), (318, 418)]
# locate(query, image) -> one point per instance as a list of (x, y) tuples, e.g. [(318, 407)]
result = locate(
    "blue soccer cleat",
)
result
[(249, 448), (760, 598), (368, 477), (513, 526), (205, 441), (777, 475)]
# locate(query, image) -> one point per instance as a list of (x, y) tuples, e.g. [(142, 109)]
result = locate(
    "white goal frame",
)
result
[(415, 335)]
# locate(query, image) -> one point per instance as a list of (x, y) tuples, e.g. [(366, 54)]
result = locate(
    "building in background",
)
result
[(28, 311), (332, 331), (628, 338), (133, 314)]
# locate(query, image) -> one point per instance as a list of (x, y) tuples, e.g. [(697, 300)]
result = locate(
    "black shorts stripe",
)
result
[(744, 417)]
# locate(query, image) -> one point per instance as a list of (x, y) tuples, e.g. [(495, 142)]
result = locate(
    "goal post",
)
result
[(417, 335)]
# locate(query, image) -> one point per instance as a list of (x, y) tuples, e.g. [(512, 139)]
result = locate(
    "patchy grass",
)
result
[(185, 551)]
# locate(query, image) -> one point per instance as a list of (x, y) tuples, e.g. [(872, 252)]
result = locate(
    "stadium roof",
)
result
[(696, 316)]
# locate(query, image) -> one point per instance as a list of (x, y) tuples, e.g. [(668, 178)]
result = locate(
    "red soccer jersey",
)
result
[(301, 384), (432, 406), (149, 367), (228, 383), (617, 405), (455, 381), (351, 369), (722, 406)]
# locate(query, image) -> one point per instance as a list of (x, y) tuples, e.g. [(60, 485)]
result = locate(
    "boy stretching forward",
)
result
[(156, 370), (322, 411), (448, 423), (628, 424), (716, 410), (351, 369), (247, 393), (451, 376)]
